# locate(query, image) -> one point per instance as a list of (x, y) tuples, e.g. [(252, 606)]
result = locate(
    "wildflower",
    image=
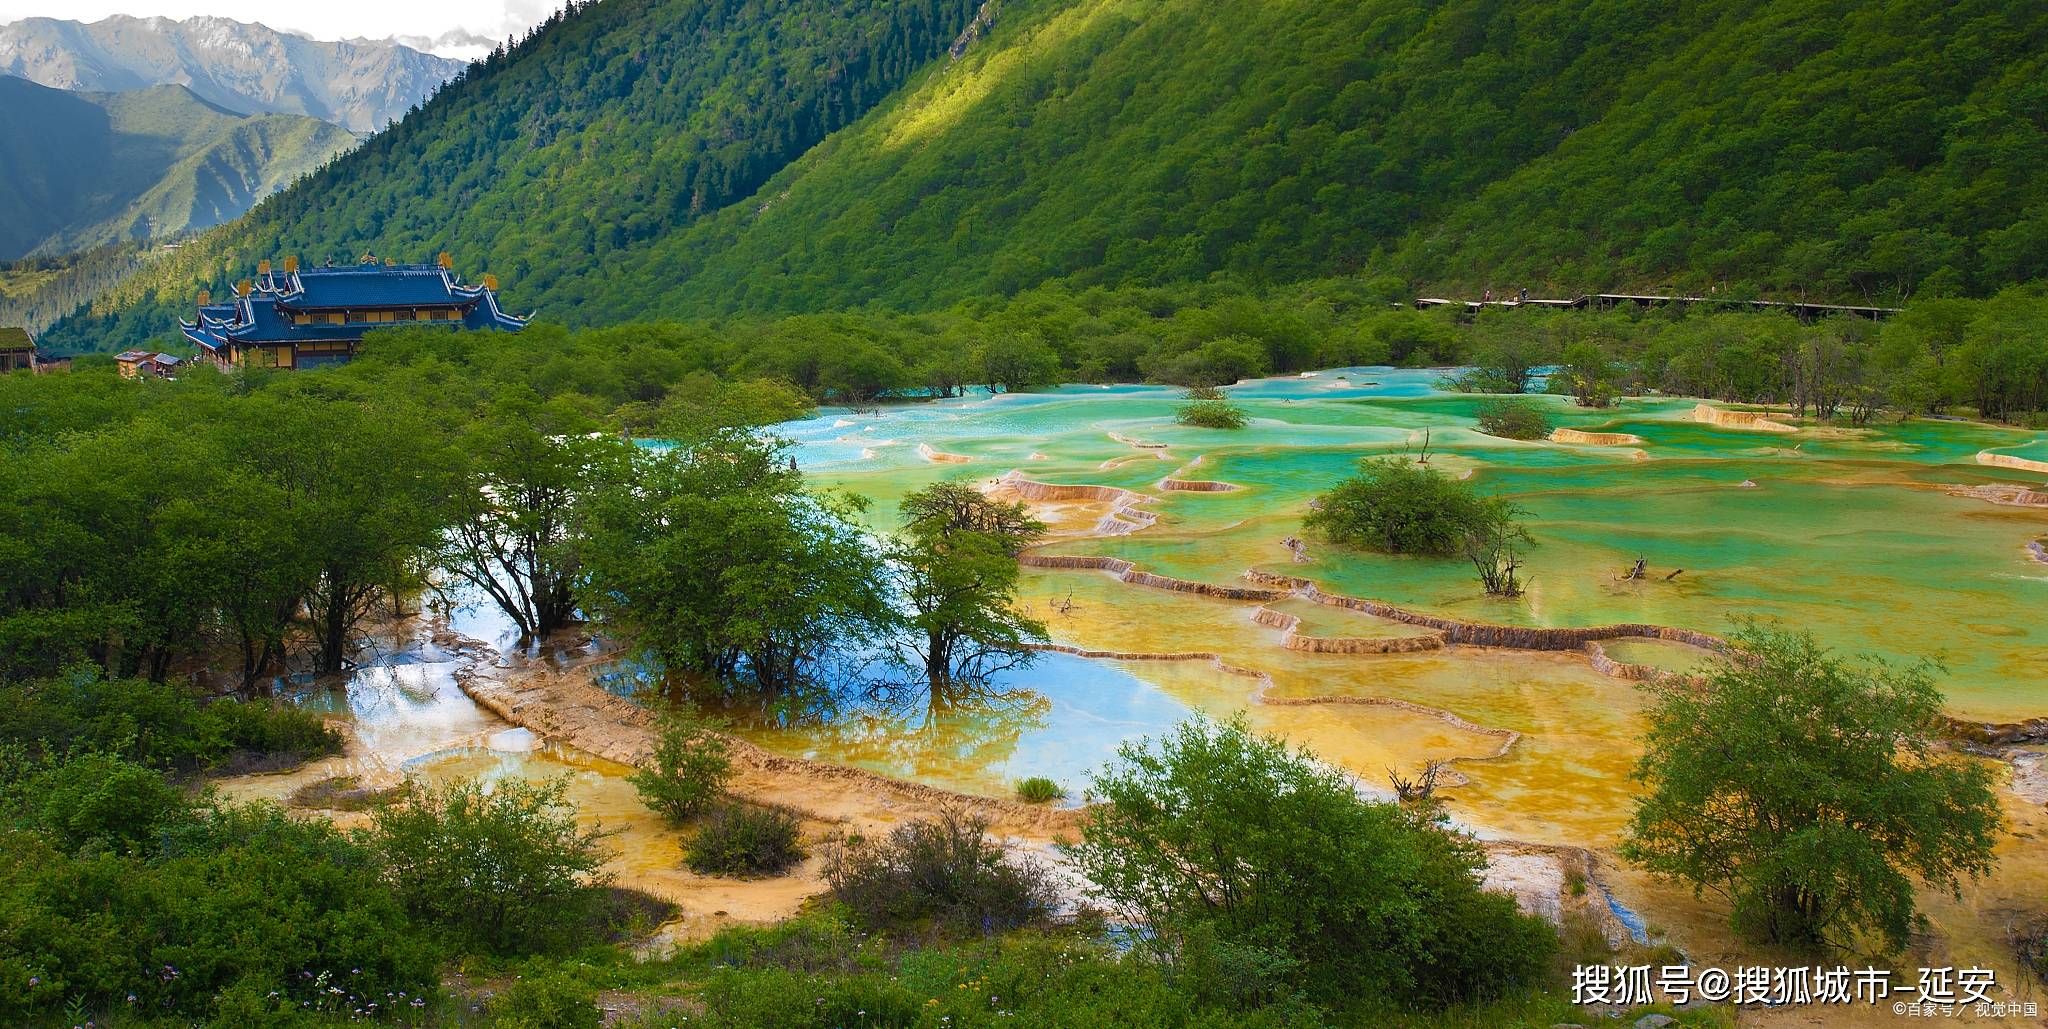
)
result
[(35, 980)]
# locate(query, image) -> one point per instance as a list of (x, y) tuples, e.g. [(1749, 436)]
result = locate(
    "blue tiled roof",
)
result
[(368, 286), (257, 318)]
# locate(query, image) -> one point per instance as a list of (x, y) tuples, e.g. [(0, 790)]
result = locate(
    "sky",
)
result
[(421, 23)]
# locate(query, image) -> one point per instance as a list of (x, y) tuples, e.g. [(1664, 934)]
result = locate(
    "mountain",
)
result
[(692, 157), (82, 170), (249, 69)]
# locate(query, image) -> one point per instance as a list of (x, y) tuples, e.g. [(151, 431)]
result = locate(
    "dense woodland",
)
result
[(36, 292), (644, 159)]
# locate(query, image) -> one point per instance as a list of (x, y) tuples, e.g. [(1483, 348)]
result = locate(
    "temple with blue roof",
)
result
[(307, 318)]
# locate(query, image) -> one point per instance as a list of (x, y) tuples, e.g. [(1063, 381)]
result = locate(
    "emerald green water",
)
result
[(1842, 532)]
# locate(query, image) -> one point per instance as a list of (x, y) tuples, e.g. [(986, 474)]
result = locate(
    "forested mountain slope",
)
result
[(82, 170), (642, 159), (605, 130), (1835, 149)]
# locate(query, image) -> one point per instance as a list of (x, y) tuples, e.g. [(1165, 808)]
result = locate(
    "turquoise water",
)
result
[(1844, 532)]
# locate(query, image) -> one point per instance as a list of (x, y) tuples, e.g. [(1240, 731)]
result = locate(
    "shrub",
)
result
[(1203, 393), (692, 764), (238, 910), (741, 839), (257, 734), (1229, 848), (103, 800), (1211, 414), (1513, 419), (554, 1000), (944, 872), (155, 724), (503, 869), (1039, 790)]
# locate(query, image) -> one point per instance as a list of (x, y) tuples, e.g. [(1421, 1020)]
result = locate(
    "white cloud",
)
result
[(453, 27)]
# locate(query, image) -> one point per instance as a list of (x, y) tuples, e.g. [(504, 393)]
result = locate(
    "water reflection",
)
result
[(1062, 717)]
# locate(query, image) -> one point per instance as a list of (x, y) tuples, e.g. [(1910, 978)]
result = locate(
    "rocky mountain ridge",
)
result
[(361, 85)]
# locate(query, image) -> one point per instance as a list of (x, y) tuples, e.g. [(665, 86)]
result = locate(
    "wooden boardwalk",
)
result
[(1609, 301)]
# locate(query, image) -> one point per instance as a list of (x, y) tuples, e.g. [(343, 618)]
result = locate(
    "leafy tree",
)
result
[(1493, 540), (1021, 363), (1398, 507), (1215, 838), (1587, 375), (372, 481), (960, 589), (701, 403), (526, 472), (956, 575), (717, 558), (502, 868), (1808, 792), (952, 506)]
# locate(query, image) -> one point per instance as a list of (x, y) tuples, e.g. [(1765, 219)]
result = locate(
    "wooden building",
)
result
[(1608, 301), (307, 318), (17, 351), (145, 364)]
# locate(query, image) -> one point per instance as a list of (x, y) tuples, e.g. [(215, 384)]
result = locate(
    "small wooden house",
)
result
[(17, 351)]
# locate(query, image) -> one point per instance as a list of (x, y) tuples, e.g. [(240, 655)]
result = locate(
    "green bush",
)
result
[(1264, 865), (236, 910), (259, 734), (944, 872), (692, 764), (96, 799), (156, 724), (554, 1000), (741, 839), (1039, 790), (1513, 419), (1211, 414), (502, 869)]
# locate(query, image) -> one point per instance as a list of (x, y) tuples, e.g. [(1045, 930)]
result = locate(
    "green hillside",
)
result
[(677, 157), (88, 169)]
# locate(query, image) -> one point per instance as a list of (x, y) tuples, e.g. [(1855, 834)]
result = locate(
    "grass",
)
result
[(343, 793), (1039, 790)]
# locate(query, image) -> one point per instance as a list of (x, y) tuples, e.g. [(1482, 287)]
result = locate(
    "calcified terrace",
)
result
[(1172, 542)]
